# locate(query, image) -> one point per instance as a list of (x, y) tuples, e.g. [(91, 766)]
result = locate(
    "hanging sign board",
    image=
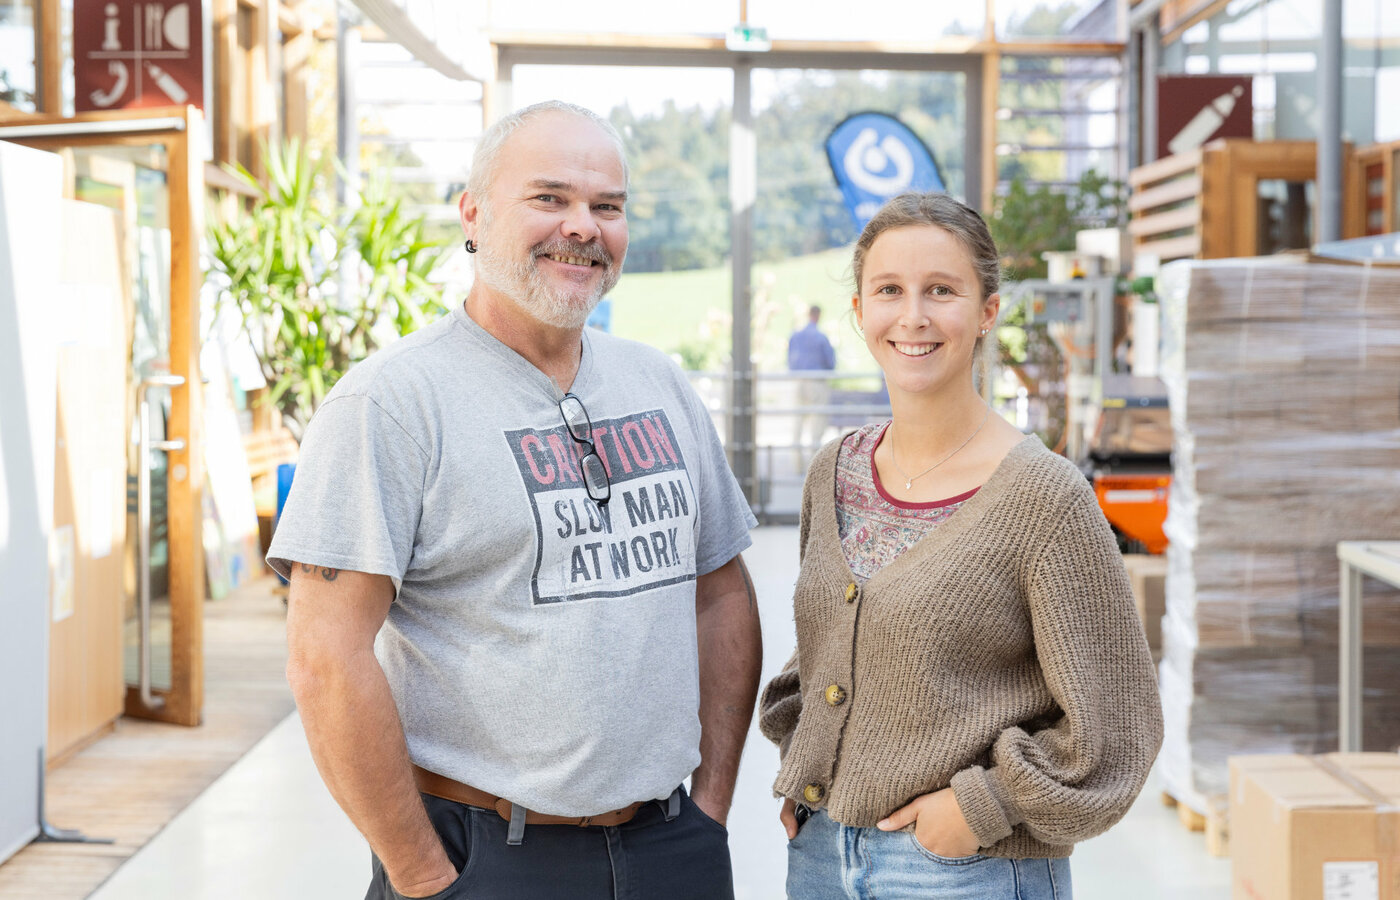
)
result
[(1195, 109), (129, 54), (874, 157)]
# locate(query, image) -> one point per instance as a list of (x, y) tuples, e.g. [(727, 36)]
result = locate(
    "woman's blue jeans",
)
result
[(831, 861)]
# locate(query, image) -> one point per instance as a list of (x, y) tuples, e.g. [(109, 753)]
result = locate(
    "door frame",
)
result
[(180, 131)]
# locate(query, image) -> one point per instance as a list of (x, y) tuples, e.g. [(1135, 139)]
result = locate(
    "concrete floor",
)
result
[(268, 828)]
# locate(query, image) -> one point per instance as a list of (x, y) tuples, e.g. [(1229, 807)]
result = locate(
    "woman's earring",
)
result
[(471, 248), (984, 332)]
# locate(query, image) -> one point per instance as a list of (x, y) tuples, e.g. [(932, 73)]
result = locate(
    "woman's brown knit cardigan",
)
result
[(1001, 654)]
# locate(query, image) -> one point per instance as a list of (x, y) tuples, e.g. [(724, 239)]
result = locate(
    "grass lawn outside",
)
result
[(672, 310)]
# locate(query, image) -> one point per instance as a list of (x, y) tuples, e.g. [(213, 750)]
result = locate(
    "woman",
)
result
[(972, 693)]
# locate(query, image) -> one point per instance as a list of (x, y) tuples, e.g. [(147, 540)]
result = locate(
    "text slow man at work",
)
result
[(518, 616)]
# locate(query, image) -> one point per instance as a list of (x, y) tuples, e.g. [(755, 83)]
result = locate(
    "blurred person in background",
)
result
[(972, 693), (809, 350), (518, 615)]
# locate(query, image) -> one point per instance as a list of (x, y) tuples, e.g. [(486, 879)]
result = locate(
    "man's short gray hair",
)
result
[(488, 147)]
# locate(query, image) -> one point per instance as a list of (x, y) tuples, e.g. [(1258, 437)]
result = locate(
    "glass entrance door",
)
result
[(803, 233), (133, 182), (143, 170)]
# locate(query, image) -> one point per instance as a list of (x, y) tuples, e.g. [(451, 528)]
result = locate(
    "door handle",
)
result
[(143, 524)]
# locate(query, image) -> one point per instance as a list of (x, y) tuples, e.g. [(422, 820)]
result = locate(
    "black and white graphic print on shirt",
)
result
[(642, 539)]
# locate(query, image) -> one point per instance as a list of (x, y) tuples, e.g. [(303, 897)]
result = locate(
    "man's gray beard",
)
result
[(526, 286)]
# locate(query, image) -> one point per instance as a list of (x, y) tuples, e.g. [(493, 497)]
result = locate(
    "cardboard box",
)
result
[(1279, 288), (1297, 521), (1259, 598), (1285, 406), (1315, 827), (1148, 575)]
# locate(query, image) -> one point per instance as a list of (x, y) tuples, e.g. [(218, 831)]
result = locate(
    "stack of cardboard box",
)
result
[(1284, 382)]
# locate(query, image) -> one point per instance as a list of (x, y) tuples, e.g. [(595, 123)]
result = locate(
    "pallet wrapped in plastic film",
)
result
[(1283, 378)]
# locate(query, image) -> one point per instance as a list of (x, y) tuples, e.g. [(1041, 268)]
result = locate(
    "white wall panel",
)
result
[(30, 194)]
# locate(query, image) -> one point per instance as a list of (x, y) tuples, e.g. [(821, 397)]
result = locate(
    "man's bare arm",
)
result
[(352, 724), (731, 655)]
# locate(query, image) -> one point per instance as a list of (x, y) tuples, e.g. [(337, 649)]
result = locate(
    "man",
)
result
[(810, 351), (518, 617)]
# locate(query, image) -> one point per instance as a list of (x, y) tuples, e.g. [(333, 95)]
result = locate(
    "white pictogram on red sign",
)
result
[(147, 53)]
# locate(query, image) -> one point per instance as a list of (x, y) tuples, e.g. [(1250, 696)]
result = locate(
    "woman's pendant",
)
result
[(909, 485)]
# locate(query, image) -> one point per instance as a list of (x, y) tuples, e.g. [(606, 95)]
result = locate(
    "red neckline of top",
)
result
[(907, 504)]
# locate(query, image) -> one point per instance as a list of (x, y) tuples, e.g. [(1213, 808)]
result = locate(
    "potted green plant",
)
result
[(285, 262)]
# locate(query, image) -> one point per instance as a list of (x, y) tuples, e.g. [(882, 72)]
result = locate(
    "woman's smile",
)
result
[(914, 350)]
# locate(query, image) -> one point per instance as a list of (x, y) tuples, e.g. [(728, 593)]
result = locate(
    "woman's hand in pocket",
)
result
[(938, 824), (788, 817)]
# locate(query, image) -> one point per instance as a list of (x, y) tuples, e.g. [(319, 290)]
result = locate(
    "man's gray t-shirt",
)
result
[(540, 647)]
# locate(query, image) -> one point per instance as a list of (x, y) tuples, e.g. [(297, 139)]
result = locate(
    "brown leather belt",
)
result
[(447, 789)]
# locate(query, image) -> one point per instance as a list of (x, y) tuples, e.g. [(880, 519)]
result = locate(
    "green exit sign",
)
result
[(748, 37)]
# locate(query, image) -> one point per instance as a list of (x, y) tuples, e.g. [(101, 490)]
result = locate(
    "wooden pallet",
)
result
[(1215, 825)]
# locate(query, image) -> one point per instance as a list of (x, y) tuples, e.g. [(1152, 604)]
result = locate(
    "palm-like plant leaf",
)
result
[(281, 261)]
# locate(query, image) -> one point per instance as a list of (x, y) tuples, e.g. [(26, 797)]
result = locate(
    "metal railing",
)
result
[(794, 413)]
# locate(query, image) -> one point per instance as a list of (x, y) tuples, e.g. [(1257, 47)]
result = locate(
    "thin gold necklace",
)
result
[(910, 479)]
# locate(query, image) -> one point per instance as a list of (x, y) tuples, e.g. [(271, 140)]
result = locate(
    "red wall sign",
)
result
[(135, 53), (1195, 109)]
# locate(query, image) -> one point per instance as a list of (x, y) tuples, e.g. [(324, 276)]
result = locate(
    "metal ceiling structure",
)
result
[(442, 34)]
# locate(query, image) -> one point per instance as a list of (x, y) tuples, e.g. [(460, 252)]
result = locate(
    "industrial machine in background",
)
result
[(1129, 459), (1116, 426)]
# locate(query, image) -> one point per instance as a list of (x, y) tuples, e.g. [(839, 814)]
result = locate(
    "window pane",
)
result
[(675, 127), (802, 238), (896, 21), (1275, 20), (1388, 115), (1371, 21), (17, 70), (800, 208), (675, 288), (617, 16), (1057, 119), (1285, 215), (1278, 41), (417, 128), (1066, 20)]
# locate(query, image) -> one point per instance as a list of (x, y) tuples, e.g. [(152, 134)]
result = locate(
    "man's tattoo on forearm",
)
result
[(748, 586), (327, 573)]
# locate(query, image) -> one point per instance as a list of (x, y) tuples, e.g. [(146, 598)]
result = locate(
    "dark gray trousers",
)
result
[(648, 858)]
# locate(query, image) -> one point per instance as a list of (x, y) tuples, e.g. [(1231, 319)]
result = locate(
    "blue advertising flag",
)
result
[(874, 156)]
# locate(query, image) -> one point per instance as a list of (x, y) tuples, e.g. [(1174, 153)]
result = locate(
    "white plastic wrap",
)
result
[(1284, 383)]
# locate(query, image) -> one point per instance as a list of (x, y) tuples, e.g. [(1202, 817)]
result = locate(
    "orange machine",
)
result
[(1136, 505), (1130, 458)]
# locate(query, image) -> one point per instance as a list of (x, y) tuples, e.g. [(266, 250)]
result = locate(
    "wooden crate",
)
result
[(1205, 204), (1166, 207), (1369, 207)]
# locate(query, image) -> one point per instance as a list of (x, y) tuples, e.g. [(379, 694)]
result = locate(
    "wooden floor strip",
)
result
[(129, 784)]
